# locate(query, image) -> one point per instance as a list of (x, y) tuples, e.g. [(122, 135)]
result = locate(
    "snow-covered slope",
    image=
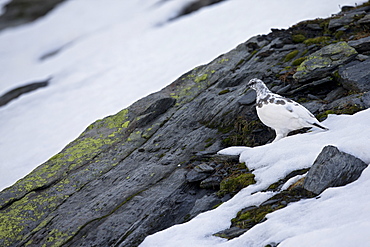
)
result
[(108, 54), (338, 217)]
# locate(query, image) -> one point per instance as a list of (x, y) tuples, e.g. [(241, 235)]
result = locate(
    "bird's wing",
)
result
[(296, 110), (300, 112)]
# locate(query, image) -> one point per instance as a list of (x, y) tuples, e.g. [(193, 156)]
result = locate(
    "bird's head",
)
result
[(255, 83)]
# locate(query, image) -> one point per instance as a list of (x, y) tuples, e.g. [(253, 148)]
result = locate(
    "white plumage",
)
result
[(282, 114)]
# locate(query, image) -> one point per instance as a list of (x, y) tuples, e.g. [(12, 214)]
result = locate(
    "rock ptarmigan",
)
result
[(279, 113)]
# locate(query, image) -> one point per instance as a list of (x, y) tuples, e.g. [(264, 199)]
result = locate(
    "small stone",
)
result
[(314, 26), (231, 233), (204, 168), (362, 57)]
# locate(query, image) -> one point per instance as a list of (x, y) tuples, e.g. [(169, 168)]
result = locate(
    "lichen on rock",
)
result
[(324, 61)]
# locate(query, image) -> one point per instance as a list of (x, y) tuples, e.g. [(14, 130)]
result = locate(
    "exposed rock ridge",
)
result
[(126, 175)]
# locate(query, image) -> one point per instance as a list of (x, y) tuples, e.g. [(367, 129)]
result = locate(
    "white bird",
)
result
[(279, 113)]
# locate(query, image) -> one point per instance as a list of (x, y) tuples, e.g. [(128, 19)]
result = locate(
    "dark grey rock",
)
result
[(231, 233), (256, 42), (207, 201), (18, 12), (204, 168), (355, 101), (332, 168), (15, 93), (361, 45), (194, 176), (365, 99), (314, 26), (362, 57), (154, 110), (335, 94), (340, 22), (211, 183), (248, 98), (199, 173), (284, 89), (356, 76), (365, 19)]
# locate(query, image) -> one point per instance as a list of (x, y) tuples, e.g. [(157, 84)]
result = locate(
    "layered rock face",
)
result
[(152, 165)]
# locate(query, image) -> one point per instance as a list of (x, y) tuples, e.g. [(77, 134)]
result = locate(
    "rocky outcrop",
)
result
[(332, 168), (152, 165)]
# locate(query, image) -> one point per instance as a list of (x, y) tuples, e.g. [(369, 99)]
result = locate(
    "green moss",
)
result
[(242, 133), (348, 109), (224, 92), (252, 217), (298, 38), (291, 55), (298, 61), (234, 184), (241, 61), (304, 53), (317, 40), (339, 34)]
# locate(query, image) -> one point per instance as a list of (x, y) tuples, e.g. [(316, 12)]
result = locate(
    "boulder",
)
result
[(332, 168), (356, 76), (322, 62)]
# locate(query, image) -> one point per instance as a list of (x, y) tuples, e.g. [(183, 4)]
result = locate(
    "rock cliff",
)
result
[(153, 165)]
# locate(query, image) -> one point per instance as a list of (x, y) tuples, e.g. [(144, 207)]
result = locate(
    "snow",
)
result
[(108, 56), (338, 217)]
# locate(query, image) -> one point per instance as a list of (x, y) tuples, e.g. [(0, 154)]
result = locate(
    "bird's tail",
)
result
[(320, 126)]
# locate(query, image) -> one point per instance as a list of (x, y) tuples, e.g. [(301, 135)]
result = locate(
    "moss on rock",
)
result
[(321, 40), (298, 38), (233, 184), (291, 55)]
